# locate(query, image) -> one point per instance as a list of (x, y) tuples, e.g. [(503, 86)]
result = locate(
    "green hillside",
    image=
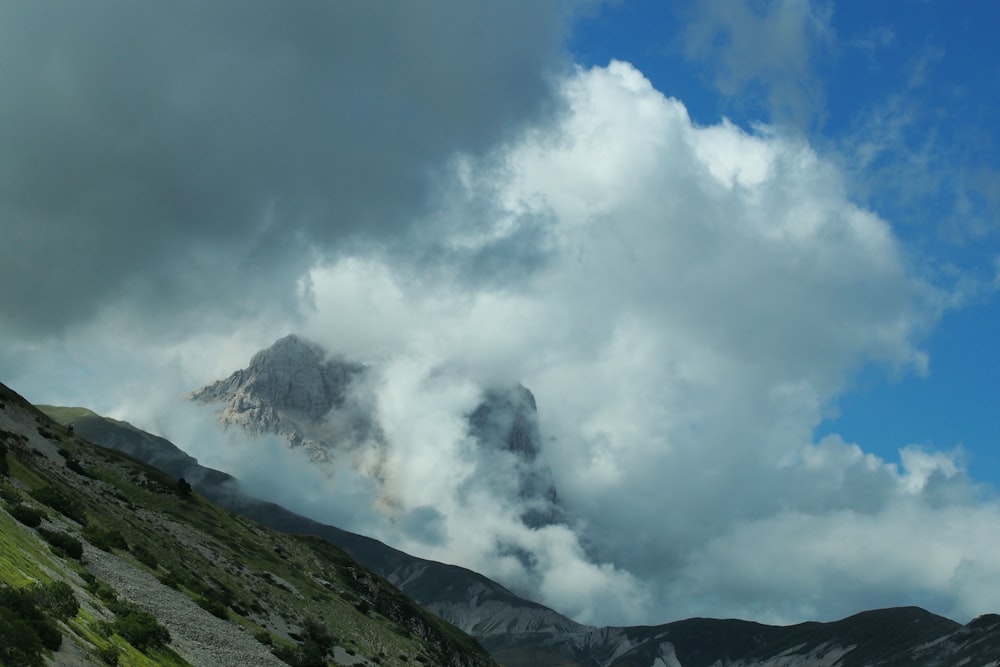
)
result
[(150, 572)]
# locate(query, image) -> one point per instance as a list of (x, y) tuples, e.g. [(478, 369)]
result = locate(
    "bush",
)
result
[(108, 655), (302, 656), (317, 643), (61, 503), (140, 629), (62, 542), (170, 579), (184, 489), (19, 643), (144, 556), (9, 495), (75, 466), (213, 607), (25, 630), (55, 599), (4, 466), (101, 589), (29, 516), (105, 539)]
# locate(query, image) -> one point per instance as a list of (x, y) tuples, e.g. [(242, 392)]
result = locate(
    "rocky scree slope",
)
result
[(162, 576), (521, 633)]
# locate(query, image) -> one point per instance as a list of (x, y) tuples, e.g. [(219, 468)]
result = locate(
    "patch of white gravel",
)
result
[(200, 638)]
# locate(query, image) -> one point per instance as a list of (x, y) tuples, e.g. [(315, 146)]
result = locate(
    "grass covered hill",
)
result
[(105, 560)]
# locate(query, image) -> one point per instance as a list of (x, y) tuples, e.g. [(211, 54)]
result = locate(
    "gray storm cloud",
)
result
[(177, 157)]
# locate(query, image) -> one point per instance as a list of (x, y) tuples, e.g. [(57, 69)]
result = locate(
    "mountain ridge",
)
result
[(148, 572), (521, 633)]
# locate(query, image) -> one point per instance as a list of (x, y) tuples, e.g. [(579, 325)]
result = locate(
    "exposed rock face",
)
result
[(296, 390), (510, 419), (286, 390), (507, 420)]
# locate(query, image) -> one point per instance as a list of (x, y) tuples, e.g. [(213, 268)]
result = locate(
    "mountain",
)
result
[(106, 560), (326, 404), (472, 602), (287, 389), (520, 633)]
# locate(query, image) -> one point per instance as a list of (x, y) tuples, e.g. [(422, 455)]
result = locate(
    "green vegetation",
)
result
[(29, 516), (62, 543), (28, 618), (287, 591), (105, 539), (65, 415), (138, 628), (60, 502), (144, 556)]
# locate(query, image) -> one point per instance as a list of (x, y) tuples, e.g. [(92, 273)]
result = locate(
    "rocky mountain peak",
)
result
[(294, 374), (509, 418), (289, 384), (296, 390)]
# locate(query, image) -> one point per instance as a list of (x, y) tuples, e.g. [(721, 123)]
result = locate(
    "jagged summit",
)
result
[(297, 390), (293, 374), (285, 389), (510, 417)]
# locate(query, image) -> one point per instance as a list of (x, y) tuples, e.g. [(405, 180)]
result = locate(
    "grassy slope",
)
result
[(267, 581)]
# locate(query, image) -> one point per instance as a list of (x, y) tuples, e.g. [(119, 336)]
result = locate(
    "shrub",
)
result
[(25, 630), (4, 466), (19, 643), (61, 503), (102, 590), (170, 579), (144, 556), (213, 607), (108, 655), (301, 656), (63, 543), (75, 466), (29, 516), (9, 494), (105, 539), (56, 599), (184, 489), (140, 629), (317, 642)]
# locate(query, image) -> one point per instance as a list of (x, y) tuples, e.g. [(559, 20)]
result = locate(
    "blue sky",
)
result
[(939, 65), (743, 252)]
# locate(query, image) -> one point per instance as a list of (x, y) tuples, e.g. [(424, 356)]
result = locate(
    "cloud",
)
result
[(176, 160), (685, 302), (764, 52), (698, 298)]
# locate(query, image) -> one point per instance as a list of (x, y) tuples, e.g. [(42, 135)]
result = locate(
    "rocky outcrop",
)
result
[(507, 421), (287, 389), (296, 390), (292, 376)]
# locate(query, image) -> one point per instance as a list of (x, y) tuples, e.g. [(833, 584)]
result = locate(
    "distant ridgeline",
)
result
[(517, 632)]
